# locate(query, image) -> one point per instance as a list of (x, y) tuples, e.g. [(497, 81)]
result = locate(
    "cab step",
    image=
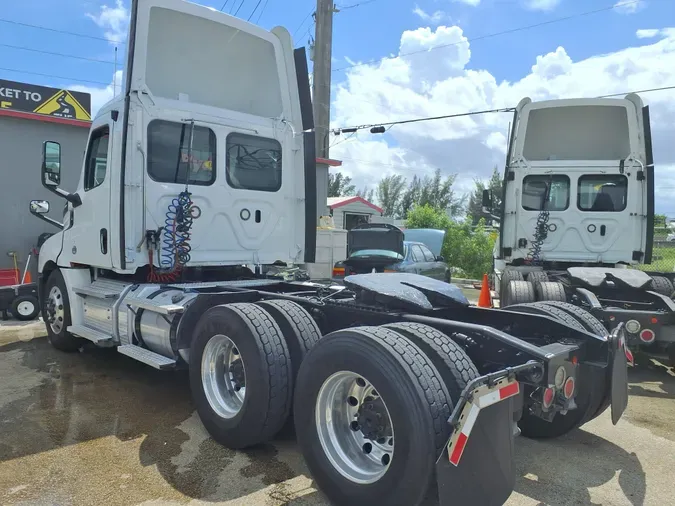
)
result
[(150, 305), (101, 289), (95, 336), (147, 357)]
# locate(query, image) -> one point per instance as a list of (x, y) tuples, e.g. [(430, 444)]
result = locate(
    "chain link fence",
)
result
[(663, 256)]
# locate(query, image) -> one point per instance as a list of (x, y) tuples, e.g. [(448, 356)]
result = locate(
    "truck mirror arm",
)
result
[(73, 198), (47, 219)]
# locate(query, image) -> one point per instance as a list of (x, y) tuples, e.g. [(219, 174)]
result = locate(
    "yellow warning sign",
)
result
[(63, 105)]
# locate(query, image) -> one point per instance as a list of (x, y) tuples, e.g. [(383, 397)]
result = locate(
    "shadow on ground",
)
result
[(98, 393), (561, 471)]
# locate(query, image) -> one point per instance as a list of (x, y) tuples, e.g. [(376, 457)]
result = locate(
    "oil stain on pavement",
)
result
[(98, 428)]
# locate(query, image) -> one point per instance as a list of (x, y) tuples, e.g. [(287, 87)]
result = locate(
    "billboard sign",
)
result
[(44, 101)]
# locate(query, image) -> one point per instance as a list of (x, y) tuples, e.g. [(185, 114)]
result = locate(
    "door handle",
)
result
[(104, 241), (603, 229)]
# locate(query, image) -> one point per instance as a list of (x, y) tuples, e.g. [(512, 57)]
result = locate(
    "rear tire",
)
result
[(507, 276), (56, 314), (25, 308), (452, 362), (589, 399), (517, 292), (535, 277), (242, 333), (662, 285), (416, 402), (590, 322), (550, 290), (541, 308)]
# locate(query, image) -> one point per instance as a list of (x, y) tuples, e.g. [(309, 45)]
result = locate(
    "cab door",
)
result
[(90, 234)]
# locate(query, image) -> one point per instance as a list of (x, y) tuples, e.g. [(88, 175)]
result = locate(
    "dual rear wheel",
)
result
[(370, 404)]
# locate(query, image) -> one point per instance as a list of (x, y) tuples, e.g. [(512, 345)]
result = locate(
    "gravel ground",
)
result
[(98, 428)]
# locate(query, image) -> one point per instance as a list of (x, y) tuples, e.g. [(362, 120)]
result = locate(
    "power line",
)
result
[(239, 8), (475, 113), (359, 4), (487, 36), (303, 22), (261, 12), (22, 48), (254, 9), (226, 2), (55, 30), (18, 71)]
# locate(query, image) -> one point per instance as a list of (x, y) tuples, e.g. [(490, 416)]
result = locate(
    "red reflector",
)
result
[(654, 319), (647, 336), (549, 394), (568, 391), (509, 390), (575, 360), (459, 448)]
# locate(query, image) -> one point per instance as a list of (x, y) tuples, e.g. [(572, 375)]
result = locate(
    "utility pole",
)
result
[(323, 44)]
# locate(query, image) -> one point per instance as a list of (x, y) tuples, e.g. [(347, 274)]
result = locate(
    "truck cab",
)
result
[(578, 186), (200, 163)]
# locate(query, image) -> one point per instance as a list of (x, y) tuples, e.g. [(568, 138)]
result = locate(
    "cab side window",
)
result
[(97, 158), (417, 254)]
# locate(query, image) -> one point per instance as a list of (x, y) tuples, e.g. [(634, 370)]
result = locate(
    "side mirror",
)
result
[(51, 163), (39, 207), (440, 258), (487, 201)]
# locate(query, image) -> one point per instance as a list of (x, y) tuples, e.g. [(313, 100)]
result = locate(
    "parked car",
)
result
[(377, 247)]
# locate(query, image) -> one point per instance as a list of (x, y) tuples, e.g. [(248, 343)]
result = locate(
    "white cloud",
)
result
[(472, 3), (99, 96), (647, 33), (629, 6), (114, 20), (439, 82), (434, 18), (542, 5)]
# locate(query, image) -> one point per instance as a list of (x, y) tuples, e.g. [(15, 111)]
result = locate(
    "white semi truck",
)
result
[(577, 217), (200, 176)]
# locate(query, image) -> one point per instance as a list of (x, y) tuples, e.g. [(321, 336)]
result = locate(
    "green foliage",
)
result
[(465, 247), (340, 185), (389, 194), (475, 205)]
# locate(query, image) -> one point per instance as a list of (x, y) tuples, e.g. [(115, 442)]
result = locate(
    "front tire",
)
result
[(56, 314), (335, 383), (240, 375)]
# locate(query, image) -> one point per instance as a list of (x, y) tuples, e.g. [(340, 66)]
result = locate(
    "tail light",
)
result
[(568, 391), (389, 270), (338, 272), (647, 336), (549, 395)]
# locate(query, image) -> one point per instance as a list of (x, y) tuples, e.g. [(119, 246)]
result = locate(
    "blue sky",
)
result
[(607, 52)]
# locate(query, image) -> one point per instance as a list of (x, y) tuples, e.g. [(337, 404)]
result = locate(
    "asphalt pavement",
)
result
[(96, 427)]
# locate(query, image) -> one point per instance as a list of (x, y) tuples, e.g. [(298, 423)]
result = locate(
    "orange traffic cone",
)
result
[(484, 299)]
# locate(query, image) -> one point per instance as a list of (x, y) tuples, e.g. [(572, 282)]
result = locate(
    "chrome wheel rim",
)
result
[(223, 376), (55, 310), (354, 427), (25, 308)]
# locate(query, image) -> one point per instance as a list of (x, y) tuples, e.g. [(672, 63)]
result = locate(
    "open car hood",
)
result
[(432, 238), (375, 236)]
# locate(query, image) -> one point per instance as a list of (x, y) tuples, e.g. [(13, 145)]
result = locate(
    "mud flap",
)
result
[(618, 356), (477, 465)]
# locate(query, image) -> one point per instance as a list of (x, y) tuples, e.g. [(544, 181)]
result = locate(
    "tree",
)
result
[(410, 197), (340, 185), (389, 194), (366, 193), (464, 246), (475, 205)]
